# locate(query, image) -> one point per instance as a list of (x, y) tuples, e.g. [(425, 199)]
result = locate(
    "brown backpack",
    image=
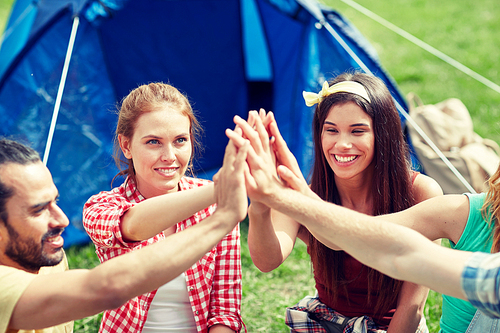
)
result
[(449, 125)]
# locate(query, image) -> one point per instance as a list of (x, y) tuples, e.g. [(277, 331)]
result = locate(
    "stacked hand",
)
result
[(270, 164), (230, 190)]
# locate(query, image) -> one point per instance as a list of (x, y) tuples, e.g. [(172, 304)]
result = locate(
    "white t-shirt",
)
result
[(171, 309)]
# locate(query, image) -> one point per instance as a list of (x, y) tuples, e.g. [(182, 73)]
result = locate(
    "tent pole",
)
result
[(62, 83), (405, 114)]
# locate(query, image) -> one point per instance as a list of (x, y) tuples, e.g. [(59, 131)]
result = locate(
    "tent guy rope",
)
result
[(405, 114), (424, 45)]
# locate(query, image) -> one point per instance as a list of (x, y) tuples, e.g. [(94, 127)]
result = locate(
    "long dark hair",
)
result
[(391, 188)]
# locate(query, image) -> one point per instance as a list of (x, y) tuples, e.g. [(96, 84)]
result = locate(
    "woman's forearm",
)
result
[(152, 216), (410, 308), (263, 244)]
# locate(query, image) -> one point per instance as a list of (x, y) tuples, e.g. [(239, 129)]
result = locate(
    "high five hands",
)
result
[(271, 166)]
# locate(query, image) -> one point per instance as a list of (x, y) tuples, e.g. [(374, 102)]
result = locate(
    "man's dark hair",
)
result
[(13, 152)]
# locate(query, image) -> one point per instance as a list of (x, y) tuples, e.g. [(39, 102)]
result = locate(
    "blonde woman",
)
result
[(157, 134)]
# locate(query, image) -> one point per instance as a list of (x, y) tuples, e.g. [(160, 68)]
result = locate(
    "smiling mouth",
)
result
[(52, 234), (54, 237), (54, 241), (345, 159), (167, 171)]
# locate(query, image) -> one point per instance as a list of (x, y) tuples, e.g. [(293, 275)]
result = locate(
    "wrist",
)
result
[(227, 218), (258, 208)]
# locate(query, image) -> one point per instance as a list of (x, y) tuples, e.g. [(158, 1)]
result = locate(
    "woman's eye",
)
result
[(181, 140), (153, 142)]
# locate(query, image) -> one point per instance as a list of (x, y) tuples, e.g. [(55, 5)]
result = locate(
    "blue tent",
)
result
[(65, 64)]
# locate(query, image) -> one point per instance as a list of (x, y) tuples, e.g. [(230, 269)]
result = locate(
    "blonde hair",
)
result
[(491, 208), (148, 98)]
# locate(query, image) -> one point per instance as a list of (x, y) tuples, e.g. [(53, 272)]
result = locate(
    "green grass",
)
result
[(84, 257), (463, 29), (266, 295), (5, 6)]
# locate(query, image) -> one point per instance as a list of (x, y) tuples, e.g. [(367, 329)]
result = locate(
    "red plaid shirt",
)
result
[(213, 283)]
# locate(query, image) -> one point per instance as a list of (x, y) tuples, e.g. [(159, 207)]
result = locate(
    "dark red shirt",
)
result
[(355, 305)]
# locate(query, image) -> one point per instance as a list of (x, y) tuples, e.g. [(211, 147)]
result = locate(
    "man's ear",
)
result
[(125, 146)]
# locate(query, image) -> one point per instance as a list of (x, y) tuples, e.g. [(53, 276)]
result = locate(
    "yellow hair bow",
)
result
[(344, 86)]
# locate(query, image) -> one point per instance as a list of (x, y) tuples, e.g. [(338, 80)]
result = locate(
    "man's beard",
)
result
[(27, 253)]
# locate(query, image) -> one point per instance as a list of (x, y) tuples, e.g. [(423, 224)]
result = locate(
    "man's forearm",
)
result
[(166, 259), (81, 293), (394, 250)]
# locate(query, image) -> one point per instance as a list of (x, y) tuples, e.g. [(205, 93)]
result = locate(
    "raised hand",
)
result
[(230, 189), (261, 174), (287, 167), (271, 235)]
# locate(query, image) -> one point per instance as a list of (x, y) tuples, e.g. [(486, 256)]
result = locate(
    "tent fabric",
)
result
[(228, 56)]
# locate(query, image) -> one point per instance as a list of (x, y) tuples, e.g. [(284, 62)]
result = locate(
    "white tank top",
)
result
[(171, 310)]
